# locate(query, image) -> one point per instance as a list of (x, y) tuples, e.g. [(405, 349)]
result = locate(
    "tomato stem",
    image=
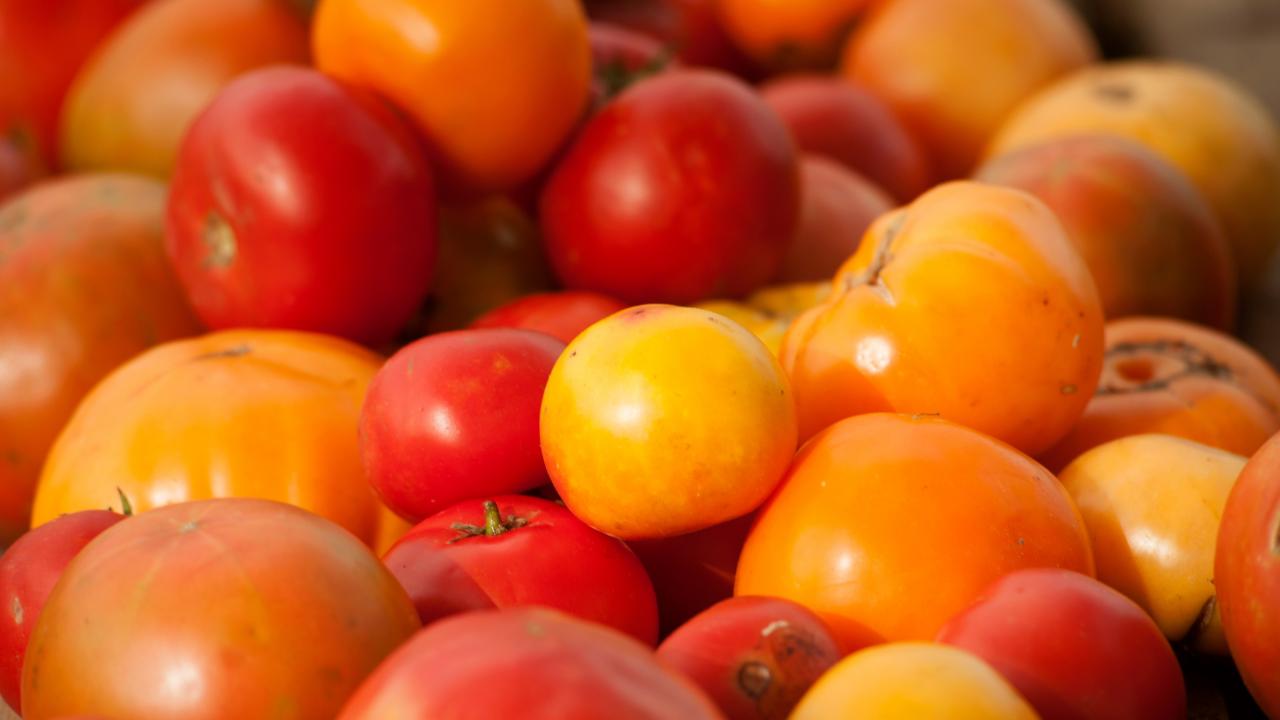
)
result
[(494, 524)]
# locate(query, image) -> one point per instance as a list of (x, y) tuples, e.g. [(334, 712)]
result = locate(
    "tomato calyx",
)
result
[(870, 276), (1155, 365), (754, 679), (494, 524), (220, 242), (126, 507), (615, 76)]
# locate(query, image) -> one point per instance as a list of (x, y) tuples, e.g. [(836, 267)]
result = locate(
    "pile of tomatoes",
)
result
[(629, 358)]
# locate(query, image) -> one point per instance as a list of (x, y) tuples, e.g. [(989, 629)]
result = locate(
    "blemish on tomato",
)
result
[(1114, 92), (234, 351), (1069, 389), (187, 527), (16, 610), (754, 679), (220, 242)]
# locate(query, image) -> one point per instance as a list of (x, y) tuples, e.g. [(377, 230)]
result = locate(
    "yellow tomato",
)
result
[(662, 420), (768, 313)]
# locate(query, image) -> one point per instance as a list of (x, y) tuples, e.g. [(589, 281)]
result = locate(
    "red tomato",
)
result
[(454, 416), (691, 27), (692, 572), (755, 656), (530, 663), (684, 187), (28, 571), (519, 551), (562, 314), (619, 56), (837, 209), (299, 203), (1073, 647), (1247, 575)]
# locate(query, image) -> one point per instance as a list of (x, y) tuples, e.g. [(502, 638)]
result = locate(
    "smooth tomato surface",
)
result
[(563, 314)]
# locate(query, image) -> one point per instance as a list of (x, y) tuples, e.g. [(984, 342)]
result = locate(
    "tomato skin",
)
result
[(544, 556), (691, 28), (617, 55), (532, 663), (1073, 647), (28, 571), (564, 314), (692, 572), (686, 186), (838, 206), (755, 656), (265, 226), (454, 416)]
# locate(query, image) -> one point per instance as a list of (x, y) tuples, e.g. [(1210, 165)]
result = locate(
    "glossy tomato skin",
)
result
[(227, 608), (454, 416), (301, 204), (28, 571), (692, 572), (537, 553), (1247, 575), (563, 314), (686, 186), (755, 656), (532, 663), (1073, 647)]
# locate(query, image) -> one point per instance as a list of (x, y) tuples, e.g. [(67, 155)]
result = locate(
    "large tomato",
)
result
[(454, 416), (496, 87), (84, 286), (531, 663), (228, 608), (684, 187), (266, 414), (266, 226), (887, 525), (525, 551), (132, 102)]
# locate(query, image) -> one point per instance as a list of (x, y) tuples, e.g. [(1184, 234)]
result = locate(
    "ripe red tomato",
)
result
[(1074, 648), (684, 187), (299, 203), (28, 571), (454, 416), (525, 551), (563, 314), (755, 656), (530, 663)]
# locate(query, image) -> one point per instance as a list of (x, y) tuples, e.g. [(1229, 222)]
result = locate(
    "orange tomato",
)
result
[(887, 525), (1171, 377), (84, 286), (132, 102), (496, 86), (253, 413), (791, 34), (970, 303)]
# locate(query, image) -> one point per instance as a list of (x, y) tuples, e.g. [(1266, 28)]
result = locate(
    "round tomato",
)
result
[(84, 286), (264, 414), (686, 186), (562, 315), (531, 663), (28, 571), (220, 608), (866, 527), (754, 656), (662, 420), (526, 551), (263, 184), (1074, 648), (132, 102), (525, 68), (454, 416)]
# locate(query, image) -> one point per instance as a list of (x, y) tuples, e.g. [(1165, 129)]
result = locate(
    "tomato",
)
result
[(768, 313), (84, 286), (28, 571), (663, 420), (214, 609), (692, 572), (970, 266), (562, 315), (42, 45), (532, 663), (792, 34), (248, 413), (1247, 575), (686, 186), (754, 656), (1074, 648), (1175, 378), (841, 120), (912, 681), (837, 207), (526, 69), (865, 528), (454, 416), (19, 164), (262, 184), (620, 56), (526, 551), (691, 28), (132, 102)]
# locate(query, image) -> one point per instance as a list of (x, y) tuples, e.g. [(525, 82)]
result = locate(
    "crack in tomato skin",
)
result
[(1195, 362)]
